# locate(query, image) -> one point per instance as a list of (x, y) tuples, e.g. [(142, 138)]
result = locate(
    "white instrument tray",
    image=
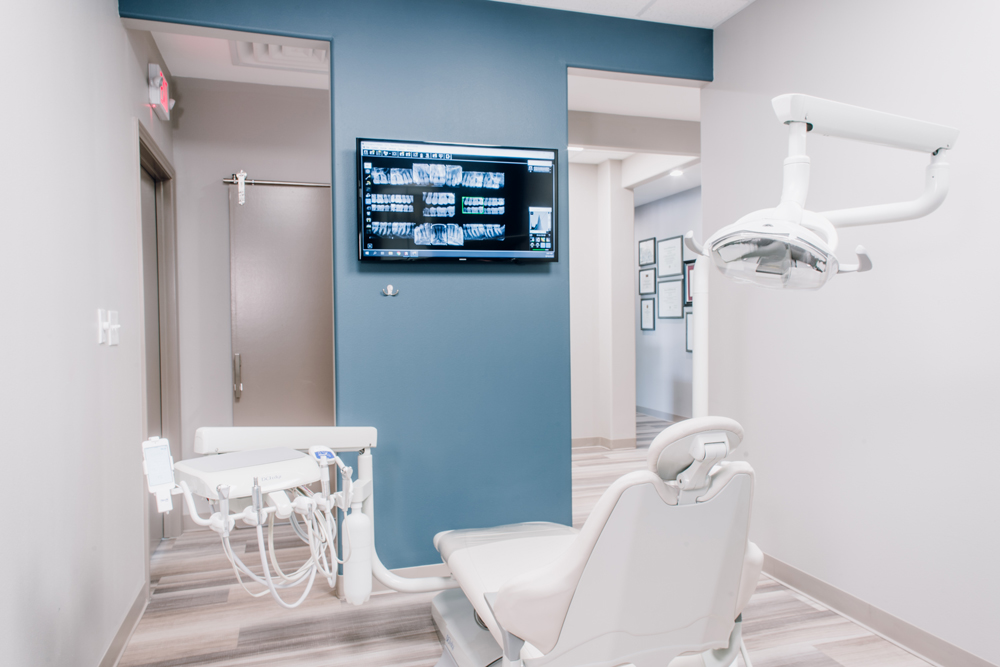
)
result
[(276, 469)]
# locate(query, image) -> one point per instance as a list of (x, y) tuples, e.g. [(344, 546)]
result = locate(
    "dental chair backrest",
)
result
[(662, 566), (225, 439)]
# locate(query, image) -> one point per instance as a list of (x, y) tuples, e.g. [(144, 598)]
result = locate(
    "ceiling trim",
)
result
[(638, 78)]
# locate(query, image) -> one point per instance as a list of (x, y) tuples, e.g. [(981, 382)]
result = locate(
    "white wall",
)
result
[(583, 300), (616, 310), (270, 132), (70, 410), (602, 314), (662, 362), (865, 403)]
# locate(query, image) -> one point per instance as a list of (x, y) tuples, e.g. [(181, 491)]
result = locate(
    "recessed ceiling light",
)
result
[(677, 172)]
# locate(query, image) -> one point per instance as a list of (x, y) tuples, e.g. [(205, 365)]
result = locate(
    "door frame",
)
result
[(153, 160)]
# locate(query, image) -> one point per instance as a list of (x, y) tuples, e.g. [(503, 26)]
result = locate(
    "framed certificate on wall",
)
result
[(689, 331), (688, 276), (647, 281), (670, 298), (669, 257), (646, 320), (647, 252)]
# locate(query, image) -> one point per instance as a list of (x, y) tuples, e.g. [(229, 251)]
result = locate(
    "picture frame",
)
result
[(647, 281), (688, 276), (647, 252), (669, 257), (646, 320), (689, 331), (670, 299)]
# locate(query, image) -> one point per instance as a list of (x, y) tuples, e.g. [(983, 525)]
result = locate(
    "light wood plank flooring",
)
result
[(199, 615)]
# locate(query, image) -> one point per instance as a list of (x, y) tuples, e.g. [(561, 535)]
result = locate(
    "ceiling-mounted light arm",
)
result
[(795, 184), (936, 183), (836, 119)]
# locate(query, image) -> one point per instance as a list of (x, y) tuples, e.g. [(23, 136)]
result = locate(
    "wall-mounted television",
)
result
[(457, 202)]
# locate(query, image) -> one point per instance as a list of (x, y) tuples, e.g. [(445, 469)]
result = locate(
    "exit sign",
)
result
[(159, 93)]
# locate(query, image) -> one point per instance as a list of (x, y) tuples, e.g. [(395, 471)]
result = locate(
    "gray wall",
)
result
[(270, 132), (70, 410), (864, 402), (662, 364)]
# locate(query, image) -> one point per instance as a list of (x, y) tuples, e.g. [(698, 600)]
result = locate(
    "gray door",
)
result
[(151, 326), (281, 254)]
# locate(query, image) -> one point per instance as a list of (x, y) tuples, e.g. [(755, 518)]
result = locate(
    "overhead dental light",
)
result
[(791, 247)]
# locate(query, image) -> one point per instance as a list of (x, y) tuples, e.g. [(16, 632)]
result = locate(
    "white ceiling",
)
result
[(696, 13), (667, 185), (245, 57), (213, 58)]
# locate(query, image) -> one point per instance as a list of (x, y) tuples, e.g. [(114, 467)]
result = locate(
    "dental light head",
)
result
[(791, 247)]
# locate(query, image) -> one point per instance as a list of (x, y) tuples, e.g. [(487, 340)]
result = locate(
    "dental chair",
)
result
[(662, 568)]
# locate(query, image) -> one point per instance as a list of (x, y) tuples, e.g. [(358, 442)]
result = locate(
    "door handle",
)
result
[(237, 376)]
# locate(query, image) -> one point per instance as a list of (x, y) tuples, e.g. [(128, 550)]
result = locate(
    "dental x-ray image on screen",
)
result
[(458, 202)]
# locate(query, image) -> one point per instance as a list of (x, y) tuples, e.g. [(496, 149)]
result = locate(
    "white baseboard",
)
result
[(120, 640), (909, 637), (623, 443)]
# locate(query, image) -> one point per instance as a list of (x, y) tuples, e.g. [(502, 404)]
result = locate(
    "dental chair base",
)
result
[(467, 643)]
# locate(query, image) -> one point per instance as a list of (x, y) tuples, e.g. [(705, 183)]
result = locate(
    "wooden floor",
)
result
[(199, 615)]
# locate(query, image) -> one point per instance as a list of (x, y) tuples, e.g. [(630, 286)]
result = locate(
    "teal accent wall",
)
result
[(465, 374)]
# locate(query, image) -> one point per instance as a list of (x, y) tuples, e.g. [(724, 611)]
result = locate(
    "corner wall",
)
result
[(70, 410), (864, 402)]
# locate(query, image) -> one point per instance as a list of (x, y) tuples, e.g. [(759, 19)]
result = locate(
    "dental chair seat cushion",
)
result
[(483, 560), (450, 541)]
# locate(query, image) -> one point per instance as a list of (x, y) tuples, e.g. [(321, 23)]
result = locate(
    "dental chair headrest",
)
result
[(669, 453)]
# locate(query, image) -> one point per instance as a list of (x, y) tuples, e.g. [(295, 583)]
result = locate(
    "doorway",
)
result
[(282, 303), (634, 143), (161, 390)]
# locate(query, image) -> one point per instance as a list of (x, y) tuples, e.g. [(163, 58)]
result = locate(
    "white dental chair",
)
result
[(662, 568)]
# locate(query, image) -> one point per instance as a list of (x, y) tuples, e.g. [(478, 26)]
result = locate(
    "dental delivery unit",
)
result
[(663, 567)]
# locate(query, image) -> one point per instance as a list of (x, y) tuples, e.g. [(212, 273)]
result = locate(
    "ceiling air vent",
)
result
[(279, 56)]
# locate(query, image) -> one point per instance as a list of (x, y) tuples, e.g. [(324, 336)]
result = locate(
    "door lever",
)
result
[(237, 376)]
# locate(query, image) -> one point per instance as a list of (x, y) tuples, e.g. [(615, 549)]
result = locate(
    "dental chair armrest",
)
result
[(511, 644)]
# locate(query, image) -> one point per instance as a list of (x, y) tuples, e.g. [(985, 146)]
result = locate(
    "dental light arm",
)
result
[(791, 247), (835, 119)]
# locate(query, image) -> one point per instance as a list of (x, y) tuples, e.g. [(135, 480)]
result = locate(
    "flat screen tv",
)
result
[(455, 202)]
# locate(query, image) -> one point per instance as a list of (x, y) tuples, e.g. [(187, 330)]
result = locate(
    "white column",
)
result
[(616, 285), (699, 377)]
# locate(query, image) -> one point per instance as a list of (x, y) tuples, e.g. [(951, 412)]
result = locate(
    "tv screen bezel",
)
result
[(359, 171)]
